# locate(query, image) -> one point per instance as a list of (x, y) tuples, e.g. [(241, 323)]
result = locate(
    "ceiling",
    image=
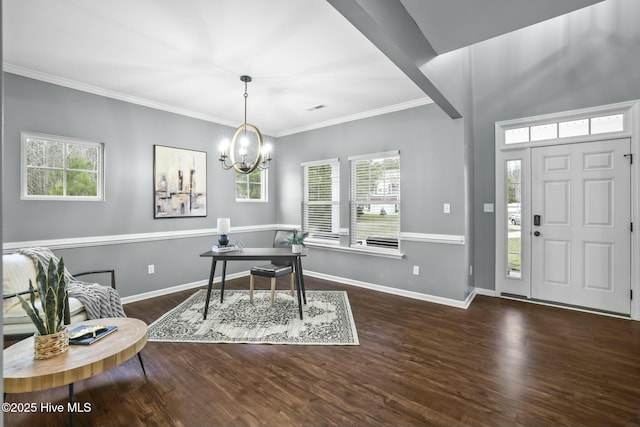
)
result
[(187, 56)]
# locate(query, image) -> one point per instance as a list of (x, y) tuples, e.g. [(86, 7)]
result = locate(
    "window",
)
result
[(514, 217), (375, 200), (251, 187), (321, 199), (559, 130), (61, 168)]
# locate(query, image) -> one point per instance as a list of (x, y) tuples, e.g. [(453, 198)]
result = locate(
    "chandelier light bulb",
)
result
[(224, 146)]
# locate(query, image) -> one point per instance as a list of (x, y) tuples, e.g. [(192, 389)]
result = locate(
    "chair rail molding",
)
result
[(119, 239), (449, 239)]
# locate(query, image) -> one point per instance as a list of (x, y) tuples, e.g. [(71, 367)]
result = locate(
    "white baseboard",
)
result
[(372, 286), (400, 292), (178, 288), (485, 292)]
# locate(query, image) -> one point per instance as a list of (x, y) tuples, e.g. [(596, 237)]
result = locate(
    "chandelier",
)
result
[(246, 152)]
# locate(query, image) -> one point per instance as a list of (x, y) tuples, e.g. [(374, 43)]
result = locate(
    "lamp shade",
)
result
[(224, 225)]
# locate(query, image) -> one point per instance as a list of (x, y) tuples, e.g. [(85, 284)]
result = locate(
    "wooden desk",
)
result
[(256, 254), (23, 373)]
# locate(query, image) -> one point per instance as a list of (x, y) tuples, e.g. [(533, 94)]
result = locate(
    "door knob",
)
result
[(536, 233)]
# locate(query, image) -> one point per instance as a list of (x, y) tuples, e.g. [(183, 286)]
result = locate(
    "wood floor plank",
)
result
[(498, 363)]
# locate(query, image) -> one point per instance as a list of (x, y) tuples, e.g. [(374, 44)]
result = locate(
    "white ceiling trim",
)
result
[(84, 87), (358, 116)]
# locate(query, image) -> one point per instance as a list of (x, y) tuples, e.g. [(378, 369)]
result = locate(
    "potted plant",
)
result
[(296, 240), (51, 337)]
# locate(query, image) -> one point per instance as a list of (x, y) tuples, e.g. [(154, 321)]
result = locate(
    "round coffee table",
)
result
[(23, 373)]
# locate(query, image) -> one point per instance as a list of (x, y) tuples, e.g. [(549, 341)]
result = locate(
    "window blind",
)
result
[(375, 200), (321, 199)]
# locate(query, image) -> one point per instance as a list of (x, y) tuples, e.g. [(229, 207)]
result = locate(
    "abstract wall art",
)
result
[(179, 182)]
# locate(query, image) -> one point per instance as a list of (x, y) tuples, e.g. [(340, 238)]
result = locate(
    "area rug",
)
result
[(327, 319)]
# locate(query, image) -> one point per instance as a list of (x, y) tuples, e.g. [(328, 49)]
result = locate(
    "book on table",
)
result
[(228, 248), (88, 334)]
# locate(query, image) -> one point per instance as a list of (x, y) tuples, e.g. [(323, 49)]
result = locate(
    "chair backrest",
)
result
[(281, 237), (280, 241)]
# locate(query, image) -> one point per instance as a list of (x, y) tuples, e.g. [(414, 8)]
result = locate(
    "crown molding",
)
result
[(96, 90), (358, 116)]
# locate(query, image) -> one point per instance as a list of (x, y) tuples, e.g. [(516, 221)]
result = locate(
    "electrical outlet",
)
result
[(416, 270), (151, 269)]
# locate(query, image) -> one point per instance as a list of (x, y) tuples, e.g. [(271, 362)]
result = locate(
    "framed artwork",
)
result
[(179, 182)]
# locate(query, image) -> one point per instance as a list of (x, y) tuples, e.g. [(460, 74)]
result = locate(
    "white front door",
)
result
[(581, 249)]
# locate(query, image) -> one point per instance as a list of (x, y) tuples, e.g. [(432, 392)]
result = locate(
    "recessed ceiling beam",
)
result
[(388, 25)]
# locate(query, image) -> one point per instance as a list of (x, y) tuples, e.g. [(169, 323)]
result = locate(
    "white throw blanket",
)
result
[(99, 301)]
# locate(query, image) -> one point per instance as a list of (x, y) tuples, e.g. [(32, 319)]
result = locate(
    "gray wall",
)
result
[(129, 132), (432, 167), (451, 73), (588, 58)]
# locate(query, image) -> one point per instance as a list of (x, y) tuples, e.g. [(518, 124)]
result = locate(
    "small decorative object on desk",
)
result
[(224, 227), (88, 334), (51, 337), (228, 248), (296, 240)]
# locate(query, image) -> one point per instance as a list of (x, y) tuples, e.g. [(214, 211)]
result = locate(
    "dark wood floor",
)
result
[(499, 363)]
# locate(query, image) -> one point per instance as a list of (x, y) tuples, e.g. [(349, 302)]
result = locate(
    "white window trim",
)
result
[(24, 136), (374, 155), (264, 182)]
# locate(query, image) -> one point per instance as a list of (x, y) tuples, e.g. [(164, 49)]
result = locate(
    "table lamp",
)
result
[(224, 226)]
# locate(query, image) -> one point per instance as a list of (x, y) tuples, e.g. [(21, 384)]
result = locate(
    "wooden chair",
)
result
[(274, 270)]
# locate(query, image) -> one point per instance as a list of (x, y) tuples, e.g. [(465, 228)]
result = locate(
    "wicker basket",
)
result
[(48, 346)]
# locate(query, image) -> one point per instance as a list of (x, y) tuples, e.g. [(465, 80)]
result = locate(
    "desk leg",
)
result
[(300, 272), (224, 275), (211, 273), (296, 266)]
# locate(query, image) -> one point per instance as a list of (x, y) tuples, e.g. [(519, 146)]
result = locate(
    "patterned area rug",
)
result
[(327, 319)]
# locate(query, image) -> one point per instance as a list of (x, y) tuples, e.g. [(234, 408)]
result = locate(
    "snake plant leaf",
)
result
[(32, 298), (35, 318), (61, 295), (41, 280), (49, 305)]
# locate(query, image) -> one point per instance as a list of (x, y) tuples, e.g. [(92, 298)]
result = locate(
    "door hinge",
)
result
[(630, 293), (632, 227), (630, 156)]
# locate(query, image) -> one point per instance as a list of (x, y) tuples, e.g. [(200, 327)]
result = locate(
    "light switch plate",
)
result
[(447, 208)]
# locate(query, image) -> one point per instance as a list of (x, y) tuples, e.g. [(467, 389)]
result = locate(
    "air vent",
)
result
[(317, 107)]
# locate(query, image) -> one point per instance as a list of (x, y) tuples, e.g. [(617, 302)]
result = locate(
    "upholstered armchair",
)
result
[(19, 268)]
